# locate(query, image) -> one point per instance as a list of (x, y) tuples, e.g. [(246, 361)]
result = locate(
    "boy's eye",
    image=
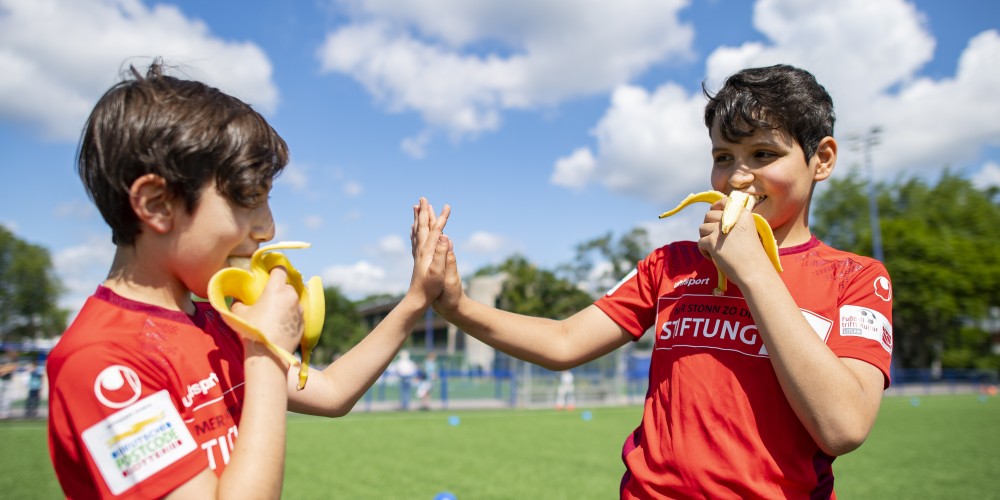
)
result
[(765, 154), (723, 158)]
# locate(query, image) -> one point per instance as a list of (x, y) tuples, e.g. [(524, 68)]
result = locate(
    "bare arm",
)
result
[(836, 399), (556, 345), (257, 466), (335, 390)]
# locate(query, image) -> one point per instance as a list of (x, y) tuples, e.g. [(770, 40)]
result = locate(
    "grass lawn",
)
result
[(930, 447)]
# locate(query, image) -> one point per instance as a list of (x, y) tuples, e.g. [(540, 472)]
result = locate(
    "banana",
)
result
[(738, 201), (246, 285)]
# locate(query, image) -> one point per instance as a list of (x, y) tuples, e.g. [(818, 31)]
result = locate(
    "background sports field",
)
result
[(929, 447)]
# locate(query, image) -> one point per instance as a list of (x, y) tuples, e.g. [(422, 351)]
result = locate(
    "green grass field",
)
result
[(934, 447)]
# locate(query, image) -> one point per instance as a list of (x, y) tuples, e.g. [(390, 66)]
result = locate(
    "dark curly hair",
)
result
[(772, 97), (184, 131)]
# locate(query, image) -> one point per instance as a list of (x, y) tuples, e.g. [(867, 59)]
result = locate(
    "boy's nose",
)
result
[(741, 177), (263, 225)]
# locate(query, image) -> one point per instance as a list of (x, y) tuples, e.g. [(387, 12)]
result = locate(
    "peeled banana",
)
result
[(246, 286), (738, 201)]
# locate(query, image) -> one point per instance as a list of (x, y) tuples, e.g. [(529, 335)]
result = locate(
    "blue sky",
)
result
[(543, 123)]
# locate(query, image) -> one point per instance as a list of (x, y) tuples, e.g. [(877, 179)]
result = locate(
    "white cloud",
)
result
[(75, 209), (314, 222), (59, 56), (353, 188), (867, 54), (428, 56), (416, 146), (988, 176), (393, 246), (575, 170), (296, 176), (362, 279), (81, 268), (482, 243), (653, 145)]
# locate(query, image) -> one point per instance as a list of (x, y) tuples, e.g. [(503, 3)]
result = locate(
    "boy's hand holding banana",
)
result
[(738, 201), (246, 286)]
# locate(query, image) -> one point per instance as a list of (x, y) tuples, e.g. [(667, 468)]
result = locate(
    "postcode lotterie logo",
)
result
[(117, 386)]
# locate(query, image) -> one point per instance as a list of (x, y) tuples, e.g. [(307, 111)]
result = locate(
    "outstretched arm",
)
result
[(556, 345), (335, 390)]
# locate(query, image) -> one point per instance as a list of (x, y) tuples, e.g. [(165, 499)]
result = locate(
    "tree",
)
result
[(536, 292), (942, 251), (618, 258), (29, 291), (342, 328)]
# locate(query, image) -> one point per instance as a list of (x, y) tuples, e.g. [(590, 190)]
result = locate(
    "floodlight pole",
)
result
[(869, 141)]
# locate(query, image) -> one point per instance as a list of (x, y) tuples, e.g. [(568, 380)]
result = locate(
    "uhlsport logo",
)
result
[(199, 388), (883, 288), (117, 386), (691, 282)]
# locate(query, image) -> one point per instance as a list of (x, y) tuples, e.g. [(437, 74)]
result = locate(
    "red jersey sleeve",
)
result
[(116, 426), (863, 329), (632, 302)]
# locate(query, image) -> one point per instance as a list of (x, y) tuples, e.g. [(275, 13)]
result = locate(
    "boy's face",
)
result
[(215, 230), (771, 166)]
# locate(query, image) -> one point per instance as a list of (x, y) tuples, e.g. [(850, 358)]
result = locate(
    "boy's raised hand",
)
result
[(430, 250), (452, 291), (738, 253), (277, 313)]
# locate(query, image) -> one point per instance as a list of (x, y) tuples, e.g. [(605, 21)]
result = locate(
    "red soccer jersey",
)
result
[(142, 399), (716, 423)]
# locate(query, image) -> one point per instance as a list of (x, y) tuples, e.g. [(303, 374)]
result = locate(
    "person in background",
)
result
[(36, 376), (427, 376), (8, 366), (566, 391)]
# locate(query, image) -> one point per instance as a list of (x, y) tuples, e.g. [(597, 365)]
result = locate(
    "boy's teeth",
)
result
[(240, 262)]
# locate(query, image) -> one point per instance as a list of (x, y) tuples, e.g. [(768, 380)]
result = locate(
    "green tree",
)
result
[(942, 250), (342, 328), (621, 257), (29, 291), (536, 292)]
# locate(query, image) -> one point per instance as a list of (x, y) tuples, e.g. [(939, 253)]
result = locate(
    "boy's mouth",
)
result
[(758, 199), (240, 262)]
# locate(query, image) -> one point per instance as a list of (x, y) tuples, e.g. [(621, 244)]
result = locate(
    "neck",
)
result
[(144, 280)]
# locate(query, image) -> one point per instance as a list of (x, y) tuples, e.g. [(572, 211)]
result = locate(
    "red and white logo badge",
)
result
[(117, 386), (883, 288)]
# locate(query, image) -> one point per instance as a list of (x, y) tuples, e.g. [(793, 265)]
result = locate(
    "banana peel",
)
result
[(738, 201), (246, 286)]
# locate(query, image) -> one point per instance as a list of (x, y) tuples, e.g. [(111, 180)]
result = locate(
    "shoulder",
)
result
[(816, 253), (678, 253)]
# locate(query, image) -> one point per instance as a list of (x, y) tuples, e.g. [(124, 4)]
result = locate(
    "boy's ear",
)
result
[(152, 203), (825, 158)]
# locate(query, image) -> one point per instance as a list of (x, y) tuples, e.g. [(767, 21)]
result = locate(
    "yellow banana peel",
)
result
[(738, 201), (246, 285)]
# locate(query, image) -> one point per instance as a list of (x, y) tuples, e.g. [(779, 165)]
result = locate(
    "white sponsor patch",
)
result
[(863, 322), (138, 441), (819, 324), (622, 282)]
